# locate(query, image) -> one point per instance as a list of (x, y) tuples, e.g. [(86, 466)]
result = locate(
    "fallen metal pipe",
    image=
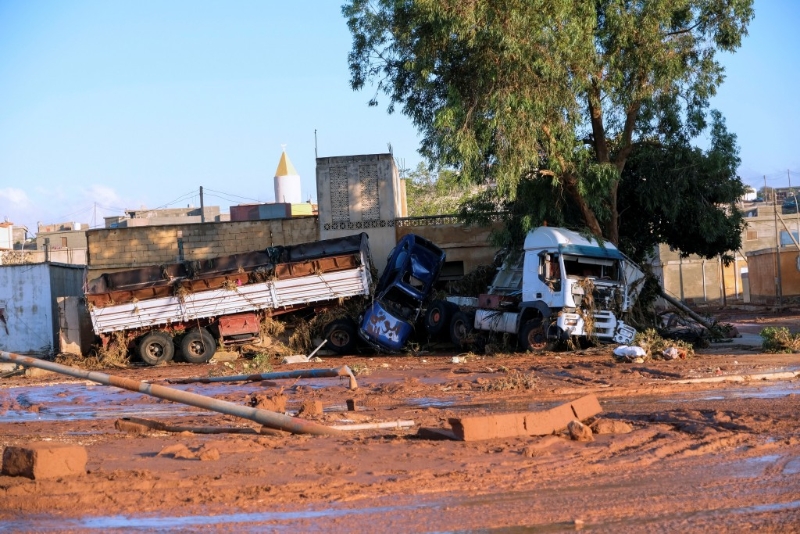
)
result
[(299, 373), (264, 417), (788, 375), (369, 426)]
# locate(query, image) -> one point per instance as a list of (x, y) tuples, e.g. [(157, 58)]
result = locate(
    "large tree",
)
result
[(551, 95)]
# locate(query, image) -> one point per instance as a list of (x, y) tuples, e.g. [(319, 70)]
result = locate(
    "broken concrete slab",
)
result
[(310, 407), (579, 432), (296, 358), (540, 447), (225, 356), (525, 424), (33, 372), (608, 426), (44, 460)]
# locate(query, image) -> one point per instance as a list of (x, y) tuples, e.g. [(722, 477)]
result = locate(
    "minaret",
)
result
[(287, 181)]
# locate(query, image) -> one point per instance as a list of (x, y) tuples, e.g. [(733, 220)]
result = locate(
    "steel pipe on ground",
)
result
[(299, 373), (264, 417)]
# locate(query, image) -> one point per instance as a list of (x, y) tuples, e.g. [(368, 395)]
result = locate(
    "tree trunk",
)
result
[(571, 187)]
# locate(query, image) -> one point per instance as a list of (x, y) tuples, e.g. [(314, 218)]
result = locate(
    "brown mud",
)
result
[(721, 456)]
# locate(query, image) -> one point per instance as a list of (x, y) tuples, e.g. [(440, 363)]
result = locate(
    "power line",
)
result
[(233, 195)]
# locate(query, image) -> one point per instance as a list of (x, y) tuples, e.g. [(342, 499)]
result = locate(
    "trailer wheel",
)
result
[(341, 336), (532, 335), (461, 329), (156, 347), (198, 346), (438, 316)]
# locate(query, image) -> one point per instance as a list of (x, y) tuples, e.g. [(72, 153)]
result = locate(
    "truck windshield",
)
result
[(587, 267)]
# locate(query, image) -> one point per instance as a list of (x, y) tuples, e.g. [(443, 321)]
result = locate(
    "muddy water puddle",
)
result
[(81, 401), (425, 514)]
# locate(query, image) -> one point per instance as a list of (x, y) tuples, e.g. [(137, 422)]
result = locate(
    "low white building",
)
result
[(29, 294)]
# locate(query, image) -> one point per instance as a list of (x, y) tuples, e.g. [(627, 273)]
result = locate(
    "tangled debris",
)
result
[(779, 340)]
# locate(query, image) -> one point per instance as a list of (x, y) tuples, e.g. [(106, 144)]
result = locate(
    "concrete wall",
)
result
[(467, 245), (125, 248), (28, 296), (697, 280), (360, 194), (71, 256)]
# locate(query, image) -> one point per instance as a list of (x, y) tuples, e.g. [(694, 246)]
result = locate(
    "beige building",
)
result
[(751, 277), (361, 194)]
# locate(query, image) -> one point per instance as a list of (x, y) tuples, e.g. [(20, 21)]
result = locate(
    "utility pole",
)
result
[(778, 289), (202, 209), (796, 207)]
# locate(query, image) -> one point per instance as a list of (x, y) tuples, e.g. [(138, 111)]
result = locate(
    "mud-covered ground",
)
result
[(707, 456)]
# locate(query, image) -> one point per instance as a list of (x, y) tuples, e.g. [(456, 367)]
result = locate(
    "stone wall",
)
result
[(125, 248)]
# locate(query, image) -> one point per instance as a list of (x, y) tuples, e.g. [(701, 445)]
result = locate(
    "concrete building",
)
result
[(6, 236), (170, 216), (361, 194), (753, 274), (29, 295)]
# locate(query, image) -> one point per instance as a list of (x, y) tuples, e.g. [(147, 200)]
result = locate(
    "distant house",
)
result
[(6, 236), (168, 216)]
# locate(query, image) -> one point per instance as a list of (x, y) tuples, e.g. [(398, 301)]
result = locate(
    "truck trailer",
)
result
[(198, 305)]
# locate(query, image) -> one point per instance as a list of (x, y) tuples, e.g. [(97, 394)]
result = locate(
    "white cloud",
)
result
[(17, 197)]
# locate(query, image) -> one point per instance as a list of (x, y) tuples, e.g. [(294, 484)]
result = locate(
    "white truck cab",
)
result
[(563, 284)]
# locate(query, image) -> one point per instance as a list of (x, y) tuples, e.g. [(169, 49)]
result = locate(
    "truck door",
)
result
[(542, 279)]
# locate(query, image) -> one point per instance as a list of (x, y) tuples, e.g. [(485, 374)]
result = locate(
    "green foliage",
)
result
[(547, 96), (677, 194), (441, 193), (654, 344), (261, 363), (779, 339)]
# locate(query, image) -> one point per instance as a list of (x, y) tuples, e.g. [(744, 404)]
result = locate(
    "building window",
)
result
[(752, 235), (64, 242)]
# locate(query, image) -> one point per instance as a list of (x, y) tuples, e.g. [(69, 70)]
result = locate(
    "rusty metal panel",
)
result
[(243, 323)]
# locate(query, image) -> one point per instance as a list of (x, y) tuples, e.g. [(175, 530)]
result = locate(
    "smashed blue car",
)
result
[(406, 284)]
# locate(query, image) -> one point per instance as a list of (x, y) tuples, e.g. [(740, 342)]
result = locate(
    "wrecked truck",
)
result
[(563, 285), (200, 305), (196, 306)]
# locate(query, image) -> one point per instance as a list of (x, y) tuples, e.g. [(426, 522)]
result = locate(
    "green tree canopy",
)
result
[(551, 97)]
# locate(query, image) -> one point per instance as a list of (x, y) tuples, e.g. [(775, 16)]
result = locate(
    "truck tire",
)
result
[(341, 336), (437, 318), (198, 346), (461, 329), (155, 348), (533, 335)]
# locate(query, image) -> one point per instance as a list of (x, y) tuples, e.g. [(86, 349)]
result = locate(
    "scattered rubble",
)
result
[(44, 460)]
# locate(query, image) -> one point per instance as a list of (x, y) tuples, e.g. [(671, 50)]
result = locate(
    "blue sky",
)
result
[(112, 105)]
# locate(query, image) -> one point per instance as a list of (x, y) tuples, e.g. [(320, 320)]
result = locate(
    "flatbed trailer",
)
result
[(223, 300)]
